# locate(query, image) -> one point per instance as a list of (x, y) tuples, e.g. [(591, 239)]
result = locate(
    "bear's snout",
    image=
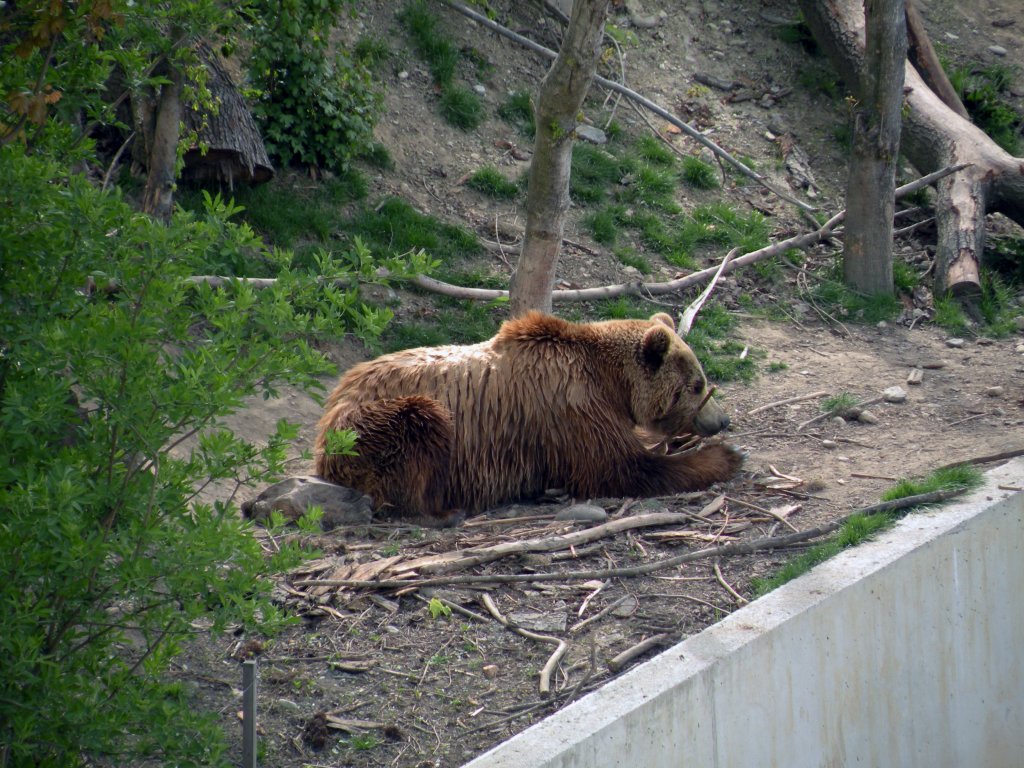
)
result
[(711, 419)]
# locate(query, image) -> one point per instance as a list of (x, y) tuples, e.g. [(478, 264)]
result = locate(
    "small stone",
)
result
[(626, 608), (915, 377), (1019, 348), (838, 421), (293, 496), (830, 444), (996, 391), (479, 89), (881, 324), (955, 343), (997, 50), (490, 671), (403, 75), (867, 417), (583, 513), (934, 365), (895, 395)]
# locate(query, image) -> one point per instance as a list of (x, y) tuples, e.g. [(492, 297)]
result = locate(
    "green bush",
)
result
[(314, 107), (110, 404)]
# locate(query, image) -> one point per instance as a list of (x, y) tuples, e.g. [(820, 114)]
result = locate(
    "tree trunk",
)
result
[(934, 136), (561, 96), (158, 199), (870, 204)]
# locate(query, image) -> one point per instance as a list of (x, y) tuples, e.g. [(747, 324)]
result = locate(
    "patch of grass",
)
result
[(1005, 256), (594, 171), (820, 78), (728, 227), (458, 322), (622, 308), (997, 306), (377, 155), (961, 477), (699, 174), (490, 181), (904, 276), (837, 405), (776, 366), (440, 53), (654, 152), (631, 258), (461, 107), (396, 227), (832, 294), (720, 355), (859, 527), (372, 51), (603, 225), (518, 110), (982, 89), (949, 314), (651, 186)]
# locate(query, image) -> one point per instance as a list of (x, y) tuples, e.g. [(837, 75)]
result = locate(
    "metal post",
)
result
[(249, 713)]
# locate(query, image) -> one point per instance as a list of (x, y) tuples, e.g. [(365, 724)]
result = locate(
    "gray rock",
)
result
[(830, 444), (838, 421), (997, 50), (867, 417), (591, 134), (955, 343), (293, 496), (996, 391), (583, 513), (894, 395)]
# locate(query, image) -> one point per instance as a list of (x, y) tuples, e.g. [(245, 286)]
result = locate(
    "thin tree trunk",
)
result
[(558, 104), (867, 254), (934, 136), (158, 199)]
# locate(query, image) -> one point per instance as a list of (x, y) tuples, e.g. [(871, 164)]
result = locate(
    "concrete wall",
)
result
[(905, 651)]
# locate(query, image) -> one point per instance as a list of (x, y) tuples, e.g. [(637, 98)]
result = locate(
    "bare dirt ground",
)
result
[(374, 677)]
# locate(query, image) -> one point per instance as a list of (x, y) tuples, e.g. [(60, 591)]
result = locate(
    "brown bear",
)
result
[(544, 404)]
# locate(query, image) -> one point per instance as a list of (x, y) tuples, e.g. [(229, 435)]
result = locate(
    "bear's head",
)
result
[(669, 388)]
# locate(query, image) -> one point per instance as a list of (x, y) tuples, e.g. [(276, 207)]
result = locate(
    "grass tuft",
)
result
[(461, 107), (490, 181), (699, 174), (518, 110)]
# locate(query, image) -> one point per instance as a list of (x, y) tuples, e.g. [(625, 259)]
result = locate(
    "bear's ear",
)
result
[(665, 319), (655, 344)]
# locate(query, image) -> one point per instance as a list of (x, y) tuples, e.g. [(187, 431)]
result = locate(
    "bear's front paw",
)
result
[(721, 460)]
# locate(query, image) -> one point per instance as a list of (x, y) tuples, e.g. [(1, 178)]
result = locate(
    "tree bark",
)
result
[(934, 136), (558, 104), (158, 198), (870, 204)]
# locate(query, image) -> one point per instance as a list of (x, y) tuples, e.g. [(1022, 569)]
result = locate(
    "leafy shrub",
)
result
[(314, 107), (109, 417)]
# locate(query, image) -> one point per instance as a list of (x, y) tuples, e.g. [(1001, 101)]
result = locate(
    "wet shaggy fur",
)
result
[(544, 404)]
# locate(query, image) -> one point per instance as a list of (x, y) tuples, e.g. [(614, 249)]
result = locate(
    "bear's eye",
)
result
[(698, 387)]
